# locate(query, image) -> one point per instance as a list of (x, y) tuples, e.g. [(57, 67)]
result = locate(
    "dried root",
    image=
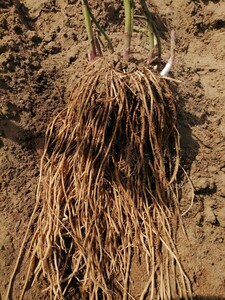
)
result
[(108, 189)]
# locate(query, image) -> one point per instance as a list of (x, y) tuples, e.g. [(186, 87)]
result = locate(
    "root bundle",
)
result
[(108, 189)]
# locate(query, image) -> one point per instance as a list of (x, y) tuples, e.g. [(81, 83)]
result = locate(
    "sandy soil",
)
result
[(43, 50)]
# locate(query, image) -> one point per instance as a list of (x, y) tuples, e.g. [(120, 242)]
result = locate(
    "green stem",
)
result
[(128, 28), (92, 53), (152, 31), (99, 27), (132, 15)]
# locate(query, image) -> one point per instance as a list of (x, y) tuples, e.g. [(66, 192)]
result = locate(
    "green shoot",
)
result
[(99, 27), (128, 28), (132, 15), (92, 54), (153, 32)]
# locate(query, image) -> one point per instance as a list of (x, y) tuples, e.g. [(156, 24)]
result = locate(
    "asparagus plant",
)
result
[(108, 184)]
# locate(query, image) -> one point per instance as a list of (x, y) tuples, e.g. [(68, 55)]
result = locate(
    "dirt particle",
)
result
[(51, 37), (209, 216), (52, 48), (72, 59), (10, 66), (5, 4), (219, 240), (35, 65), (221, 217), (212, 170), (2, 247), (39, 145), (221, 183), (3, 48), (74, 37), (18, 30), (205, 185), (33, 37), (4, 23)]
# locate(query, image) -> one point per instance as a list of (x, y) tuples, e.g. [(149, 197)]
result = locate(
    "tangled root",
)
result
[(108, 189)]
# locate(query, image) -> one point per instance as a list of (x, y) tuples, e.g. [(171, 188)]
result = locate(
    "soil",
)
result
[(43, 49)]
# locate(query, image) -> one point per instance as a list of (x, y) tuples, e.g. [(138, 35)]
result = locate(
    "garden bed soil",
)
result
[(43, 49)]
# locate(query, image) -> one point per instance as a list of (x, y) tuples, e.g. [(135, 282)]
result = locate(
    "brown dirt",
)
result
[(43, 50)]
